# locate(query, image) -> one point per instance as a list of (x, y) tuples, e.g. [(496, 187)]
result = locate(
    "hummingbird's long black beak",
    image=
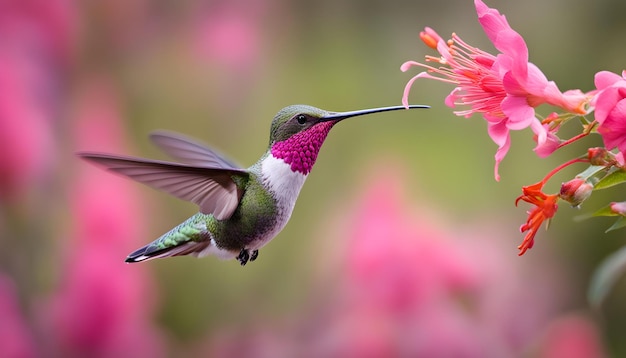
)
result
[(338, 116)]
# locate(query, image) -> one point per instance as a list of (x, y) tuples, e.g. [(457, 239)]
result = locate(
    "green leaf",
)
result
[(620, 223), (590, 171), (605, 211), (614, 178), (605, 277)]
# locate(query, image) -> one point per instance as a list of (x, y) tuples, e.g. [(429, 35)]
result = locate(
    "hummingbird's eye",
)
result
[(301, 118)]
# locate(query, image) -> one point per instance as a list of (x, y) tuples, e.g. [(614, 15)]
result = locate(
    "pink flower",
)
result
[(36, 42), (505, 88), (525, 84), (610, 112)]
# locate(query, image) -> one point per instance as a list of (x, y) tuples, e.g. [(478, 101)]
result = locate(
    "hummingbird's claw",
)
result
[(244, 256), (254, 255)]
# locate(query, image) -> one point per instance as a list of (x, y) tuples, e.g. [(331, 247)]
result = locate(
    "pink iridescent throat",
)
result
[(301, 149)]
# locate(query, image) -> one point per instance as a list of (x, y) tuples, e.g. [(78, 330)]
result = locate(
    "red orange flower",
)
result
[(545, 208)]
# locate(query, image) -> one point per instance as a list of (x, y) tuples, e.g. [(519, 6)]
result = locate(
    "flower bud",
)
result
[(430, 37), (575, 191), (600, 156), (619, 208)]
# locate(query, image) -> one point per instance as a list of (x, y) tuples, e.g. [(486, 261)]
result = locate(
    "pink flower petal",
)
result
[(536, 82), (452, 97), (519, 113), (407, 65), (613, 130), (499, 133), (490, 19), (547, 141), (407, 90), (604, 79), (604, 103), (497, 28)]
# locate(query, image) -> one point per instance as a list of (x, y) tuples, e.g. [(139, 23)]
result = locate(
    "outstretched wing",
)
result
[(213, 189), (190, 151)]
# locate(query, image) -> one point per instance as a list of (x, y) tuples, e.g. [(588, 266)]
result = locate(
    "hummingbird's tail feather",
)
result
[(189, 238), (148, 252)]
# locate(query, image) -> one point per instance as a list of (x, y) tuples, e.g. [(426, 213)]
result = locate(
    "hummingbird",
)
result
[(240, 210)]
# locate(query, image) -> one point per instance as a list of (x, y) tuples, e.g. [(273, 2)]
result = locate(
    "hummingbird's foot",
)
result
[(244, 256)]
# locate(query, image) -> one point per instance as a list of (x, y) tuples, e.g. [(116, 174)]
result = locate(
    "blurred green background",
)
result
[(220, 70)]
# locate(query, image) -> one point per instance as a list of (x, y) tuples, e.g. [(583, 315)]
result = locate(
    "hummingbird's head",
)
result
[(298, 132), (294, 119)]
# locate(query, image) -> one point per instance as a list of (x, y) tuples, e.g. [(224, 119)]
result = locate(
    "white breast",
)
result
[(285, 185)]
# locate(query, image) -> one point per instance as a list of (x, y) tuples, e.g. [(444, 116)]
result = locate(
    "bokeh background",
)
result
[(401, 244)]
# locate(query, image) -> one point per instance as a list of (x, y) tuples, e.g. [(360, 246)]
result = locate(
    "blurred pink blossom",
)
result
[(16, 340), (432, 291), (227, 39), (40, 31), (571, 336), (102, 306), (388, 242), (404, 286), (25, 131), (230, 36), (37, 40)]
